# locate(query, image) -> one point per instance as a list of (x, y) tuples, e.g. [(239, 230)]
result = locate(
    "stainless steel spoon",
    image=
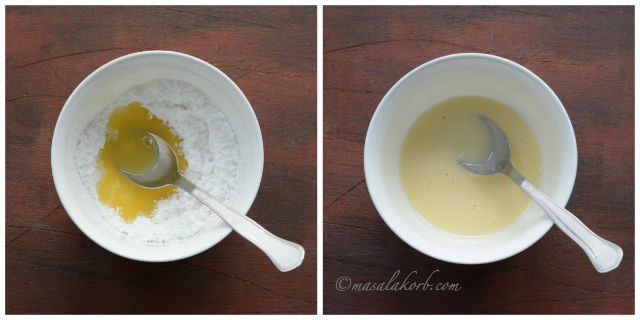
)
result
[(284, 254), (604, 254)]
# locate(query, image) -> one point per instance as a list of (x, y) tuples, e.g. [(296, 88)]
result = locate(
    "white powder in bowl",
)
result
[(209, 146)]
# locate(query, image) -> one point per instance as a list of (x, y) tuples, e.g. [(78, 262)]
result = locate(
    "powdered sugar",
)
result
[(209, 146)]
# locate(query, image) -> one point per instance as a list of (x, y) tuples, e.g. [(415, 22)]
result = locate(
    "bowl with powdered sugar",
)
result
[(192, 105)]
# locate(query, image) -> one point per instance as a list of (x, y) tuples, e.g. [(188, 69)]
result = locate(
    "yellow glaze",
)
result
[(445, 193)]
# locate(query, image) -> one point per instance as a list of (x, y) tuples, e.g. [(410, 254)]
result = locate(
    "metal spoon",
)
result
[(284, 254), (604, 255)]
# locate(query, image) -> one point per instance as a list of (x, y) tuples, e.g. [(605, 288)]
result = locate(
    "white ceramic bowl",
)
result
[(101, 88), (458, 75)]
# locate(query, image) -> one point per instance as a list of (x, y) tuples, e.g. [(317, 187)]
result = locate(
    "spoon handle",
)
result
[(604, 255), (284, 254)]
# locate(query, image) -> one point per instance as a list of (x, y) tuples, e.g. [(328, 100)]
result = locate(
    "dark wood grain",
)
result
[(585, 54), (51, 267)]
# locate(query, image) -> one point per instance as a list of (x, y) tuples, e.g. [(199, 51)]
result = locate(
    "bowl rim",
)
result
[(543, 226), (226, 230)]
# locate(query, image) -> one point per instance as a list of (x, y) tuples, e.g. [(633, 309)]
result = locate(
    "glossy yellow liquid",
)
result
[(125, 146), (442, 191), (134, 151)]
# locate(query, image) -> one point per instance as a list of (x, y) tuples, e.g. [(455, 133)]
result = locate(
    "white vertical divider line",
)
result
[(319, 155)]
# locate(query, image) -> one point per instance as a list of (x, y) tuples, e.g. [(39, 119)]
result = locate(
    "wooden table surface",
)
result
[(585, 54), (51, 267)]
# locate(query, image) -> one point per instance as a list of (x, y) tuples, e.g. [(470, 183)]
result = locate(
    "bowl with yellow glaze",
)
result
[(434, 205), (100, 89)]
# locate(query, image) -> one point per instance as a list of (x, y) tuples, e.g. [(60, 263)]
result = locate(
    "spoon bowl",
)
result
[(164, 172), (499, 156)]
